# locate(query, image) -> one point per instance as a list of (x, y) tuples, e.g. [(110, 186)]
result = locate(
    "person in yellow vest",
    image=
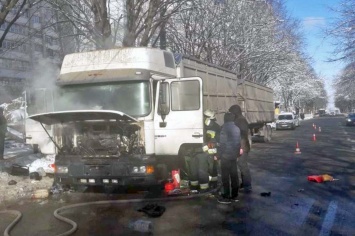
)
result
[(277, 111), (208, 175)]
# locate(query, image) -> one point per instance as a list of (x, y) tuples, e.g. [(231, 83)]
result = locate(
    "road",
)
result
[(295, 207)]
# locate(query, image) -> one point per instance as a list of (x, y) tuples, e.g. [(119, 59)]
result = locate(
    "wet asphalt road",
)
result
[(295, 207)]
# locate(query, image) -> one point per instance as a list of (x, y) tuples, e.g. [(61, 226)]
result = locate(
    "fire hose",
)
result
[(74, 224)]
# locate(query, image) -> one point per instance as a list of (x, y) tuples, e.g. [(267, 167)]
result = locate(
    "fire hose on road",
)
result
[(74, 224)]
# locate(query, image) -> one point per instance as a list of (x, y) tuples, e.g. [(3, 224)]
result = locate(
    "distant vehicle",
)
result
[(350, 119), (287, 120), (322, 112)]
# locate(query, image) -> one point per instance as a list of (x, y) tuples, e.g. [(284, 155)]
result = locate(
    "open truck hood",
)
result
[(52, 118)]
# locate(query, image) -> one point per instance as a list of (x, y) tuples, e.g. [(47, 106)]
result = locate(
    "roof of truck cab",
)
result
[(116, 64), (59, 117)]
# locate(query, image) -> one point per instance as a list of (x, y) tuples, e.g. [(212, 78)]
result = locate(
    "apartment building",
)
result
[(30, 47)]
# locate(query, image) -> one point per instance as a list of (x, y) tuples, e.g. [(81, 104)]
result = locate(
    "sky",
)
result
[(315, 16)]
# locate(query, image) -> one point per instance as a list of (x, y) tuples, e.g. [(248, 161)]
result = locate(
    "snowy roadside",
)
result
[(13, 187)]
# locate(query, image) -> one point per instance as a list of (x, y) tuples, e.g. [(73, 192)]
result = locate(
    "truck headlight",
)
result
[(142, 169), (61, 169), (135, 169)]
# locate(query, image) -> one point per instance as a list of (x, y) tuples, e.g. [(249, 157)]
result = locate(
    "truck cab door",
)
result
[(178, 115), (39, 101)]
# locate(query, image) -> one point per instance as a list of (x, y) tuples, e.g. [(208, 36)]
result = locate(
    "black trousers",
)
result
[(230, 177)]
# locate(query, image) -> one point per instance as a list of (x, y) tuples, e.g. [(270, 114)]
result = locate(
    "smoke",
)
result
[(45, 74), (40, 88)]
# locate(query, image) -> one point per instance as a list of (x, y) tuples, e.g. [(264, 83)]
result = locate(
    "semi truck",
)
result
[(126, 116)]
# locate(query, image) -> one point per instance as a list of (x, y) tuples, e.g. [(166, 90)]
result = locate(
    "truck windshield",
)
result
[(131, 98)]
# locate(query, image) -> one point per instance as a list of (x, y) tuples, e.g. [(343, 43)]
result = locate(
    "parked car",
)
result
[(350, 119), (287, 120)]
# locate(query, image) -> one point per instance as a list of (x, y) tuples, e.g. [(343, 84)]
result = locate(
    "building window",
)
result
[(15, 28), (50, 53), (14, 46), (14, 64), (36, 19), (38, 48), (37, 35), (49, 40)]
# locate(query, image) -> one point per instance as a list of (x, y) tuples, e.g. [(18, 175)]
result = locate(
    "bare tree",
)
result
[(256, 39), (144, 19), (92, 23), (102, 25), (8, 6), (345, 88), (343, 30)]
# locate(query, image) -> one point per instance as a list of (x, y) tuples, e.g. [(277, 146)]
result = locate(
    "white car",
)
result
[(287, 120)]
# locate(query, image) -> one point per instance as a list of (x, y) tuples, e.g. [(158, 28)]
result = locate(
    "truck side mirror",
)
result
[(164, 107)]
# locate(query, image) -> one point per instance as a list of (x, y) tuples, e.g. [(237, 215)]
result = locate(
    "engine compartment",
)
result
[(99, 138)]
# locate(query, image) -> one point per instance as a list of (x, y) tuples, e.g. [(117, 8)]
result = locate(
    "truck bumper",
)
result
[(284, 126), (109, 172), (118, 181)]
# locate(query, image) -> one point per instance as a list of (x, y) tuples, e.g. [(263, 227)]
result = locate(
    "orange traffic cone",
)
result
[(319, 129), (315, 127), (298, 150), (314, 137)]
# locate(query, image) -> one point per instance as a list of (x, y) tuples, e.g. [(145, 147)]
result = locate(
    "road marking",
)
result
[(345, 132), (351, 140), (329, 219)]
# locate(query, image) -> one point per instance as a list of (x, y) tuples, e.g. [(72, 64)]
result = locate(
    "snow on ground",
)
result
[(23, 187)]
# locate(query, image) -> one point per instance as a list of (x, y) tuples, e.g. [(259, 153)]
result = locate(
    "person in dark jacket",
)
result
[(229, 149), (3, 130), (243, 125)]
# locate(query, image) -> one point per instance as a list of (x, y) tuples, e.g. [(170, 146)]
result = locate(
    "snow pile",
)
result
[(15, 110), (24, 188), (43, 165)]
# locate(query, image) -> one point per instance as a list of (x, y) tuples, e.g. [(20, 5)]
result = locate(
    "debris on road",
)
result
[(40, 193), (153, 210), (265, 194), (321, 178), (142, 226), (35, 176), (43, 165), (12, 182), (19, 170)]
